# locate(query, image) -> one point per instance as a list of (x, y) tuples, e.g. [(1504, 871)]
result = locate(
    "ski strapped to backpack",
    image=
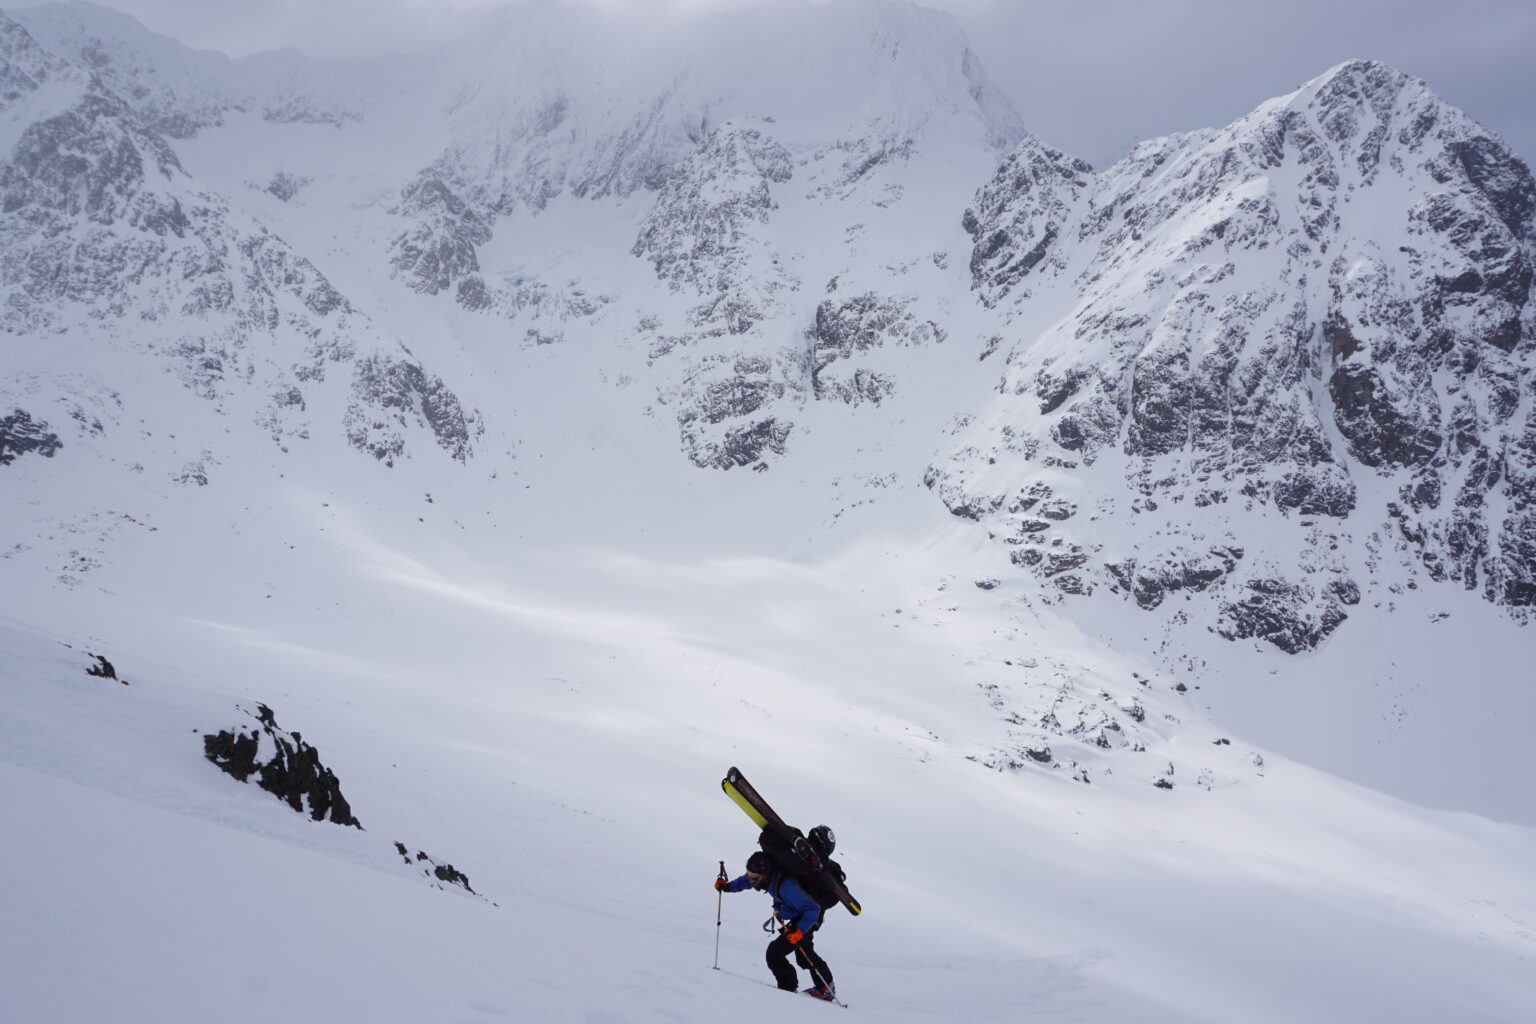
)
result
[(820, 876)]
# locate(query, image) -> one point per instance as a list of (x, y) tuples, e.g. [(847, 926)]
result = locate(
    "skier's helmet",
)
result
[(760, 864), (822, 840)]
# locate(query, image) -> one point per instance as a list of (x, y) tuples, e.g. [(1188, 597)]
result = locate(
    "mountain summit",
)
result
[(1290, 349)]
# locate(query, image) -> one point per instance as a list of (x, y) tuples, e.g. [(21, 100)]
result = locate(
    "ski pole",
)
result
[(719, 906)]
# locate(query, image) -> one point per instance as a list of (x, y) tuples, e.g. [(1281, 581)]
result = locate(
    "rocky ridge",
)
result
[(1243, 342)]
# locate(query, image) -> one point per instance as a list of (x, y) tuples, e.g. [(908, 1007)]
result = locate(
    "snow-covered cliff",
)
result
[(1296, 353)]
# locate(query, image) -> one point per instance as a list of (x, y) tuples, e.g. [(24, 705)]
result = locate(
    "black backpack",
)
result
[(793, 855)]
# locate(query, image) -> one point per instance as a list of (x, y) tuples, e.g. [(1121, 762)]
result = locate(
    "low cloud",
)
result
[(1092, 78)]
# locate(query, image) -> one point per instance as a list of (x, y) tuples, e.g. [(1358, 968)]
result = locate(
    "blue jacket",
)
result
[(791, 904)]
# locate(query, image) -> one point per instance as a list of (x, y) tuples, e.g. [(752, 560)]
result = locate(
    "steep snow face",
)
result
[(107, 245), (1294, 352)]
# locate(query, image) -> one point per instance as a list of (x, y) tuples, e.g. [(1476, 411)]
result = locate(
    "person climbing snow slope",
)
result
[(798, 916)]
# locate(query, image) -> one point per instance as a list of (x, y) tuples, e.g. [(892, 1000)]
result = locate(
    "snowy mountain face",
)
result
[(179, 92), (1283, 368), (532, 424), (743, 139), (104, 231), (1297, 350)]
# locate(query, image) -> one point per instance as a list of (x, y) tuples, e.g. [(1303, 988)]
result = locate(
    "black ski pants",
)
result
[(805, 955)]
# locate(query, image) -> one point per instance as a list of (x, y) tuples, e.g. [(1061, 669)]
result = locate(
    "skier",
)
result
[(799, 916)]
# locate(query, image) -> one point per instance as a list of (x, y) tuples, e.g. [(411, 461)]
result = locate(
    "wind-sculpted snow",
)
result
[(1319, 316)]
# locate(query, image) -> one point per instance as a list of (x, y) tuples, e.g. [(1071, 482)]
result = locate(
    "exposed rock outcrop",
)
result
[(283, 764), (20, 434)]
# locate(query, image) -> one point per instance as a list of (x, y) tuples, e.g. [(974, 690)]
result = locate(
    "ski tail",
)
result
[(844, 897)]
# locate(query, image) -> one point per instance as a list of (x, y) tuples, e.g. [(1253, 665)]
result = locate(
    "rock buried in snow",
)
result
[(284, 765), (442, 872)]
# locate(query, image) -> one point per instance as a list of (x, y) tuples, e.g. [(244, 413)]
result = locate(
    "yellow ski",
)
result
[(742, 802), (745, 796)]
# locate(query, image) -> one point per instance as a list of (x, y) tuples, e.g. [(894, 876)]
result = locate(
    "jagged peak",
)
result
[(1033, 151), (1346, 124), (1366, 76), (1355, 97)]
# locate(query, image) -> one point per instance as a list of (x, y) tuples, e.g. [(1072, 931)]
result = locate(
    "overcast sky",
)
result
[(1089, 76)]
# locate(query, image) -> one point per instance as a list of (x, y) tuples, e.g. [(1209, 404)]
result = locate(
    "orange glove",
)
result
[(721, 883), (794, 935)]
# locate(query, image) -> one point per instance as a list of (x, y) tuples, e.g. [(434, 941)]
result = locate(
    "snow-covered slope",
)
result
[(395, 416), (558, 736)]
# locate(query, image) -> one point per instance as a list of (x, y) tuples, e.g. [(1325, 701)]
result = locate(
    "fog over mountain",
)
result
[(1094, 78), (487, 446)]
